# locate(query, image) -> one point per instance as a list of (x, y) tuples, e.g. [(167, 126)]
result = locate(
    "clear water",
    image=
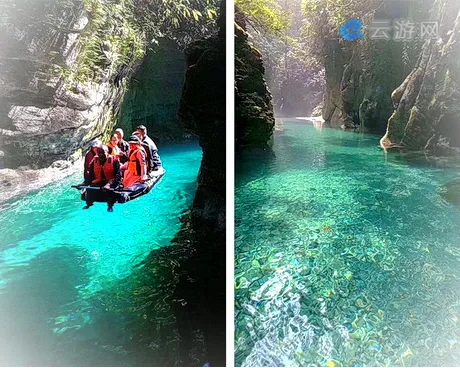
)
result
[(345, 256), (73, 287)]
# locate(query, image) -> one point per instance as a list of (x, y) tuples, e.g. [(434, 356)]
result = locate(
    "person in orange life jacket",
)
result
[(146, 140), (147, 150), (113, 146), (122, 145), (89, 157), (105, 172), (135, 170)]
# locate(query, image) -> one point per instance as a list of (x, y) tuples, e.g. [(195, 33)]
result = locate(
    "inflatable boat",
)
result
[(120, 195)]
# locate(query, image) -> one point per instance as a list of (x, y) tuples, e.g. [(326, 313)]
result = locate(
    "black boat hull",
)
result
[(99, 194)]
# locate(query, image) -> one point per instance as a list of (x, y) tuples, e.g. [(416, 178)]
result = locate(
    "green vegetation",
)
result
[(264, 15), (324, 18), (112, 37), (119, 31), (300, 44), (292, 75)]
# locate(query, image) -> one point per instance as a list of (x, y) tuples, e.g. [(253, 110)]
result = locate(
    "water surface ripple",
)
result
[(345, 256)]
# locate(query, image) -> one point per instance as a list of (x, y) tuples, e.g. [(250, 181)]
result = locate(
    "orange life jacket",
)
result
[(134, 173), (104, 172), (134, 165)]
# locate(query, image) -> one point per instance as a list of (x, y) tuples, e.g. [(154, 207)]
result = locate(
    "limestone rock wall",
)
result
[(153, 96), (360, 77), (254, 117), (427, 103), (43, 118), (202, 111), (362, 74)]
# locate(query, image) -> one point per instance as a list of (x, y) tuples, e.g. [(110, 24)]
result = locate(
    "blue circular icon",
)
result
[(352, 30)]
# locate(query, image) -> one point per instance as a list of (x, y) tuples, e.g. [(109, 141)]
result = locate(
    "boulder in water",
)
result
[(451, 192)]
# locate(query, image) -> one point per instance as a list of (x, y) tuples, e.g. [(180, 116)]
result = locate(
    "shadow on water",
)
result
[(173, 304), (170, 311), (48, 282), (245, 162), (186, 191), (421, 159)]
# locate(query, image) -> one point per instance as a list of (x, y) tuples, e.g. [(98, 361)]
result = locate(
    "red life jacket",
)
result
[(104, 172)]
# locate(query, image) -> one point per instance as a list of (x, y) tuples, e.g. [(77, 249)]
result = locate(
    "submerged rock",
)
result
[(26, 178), (451, 192)]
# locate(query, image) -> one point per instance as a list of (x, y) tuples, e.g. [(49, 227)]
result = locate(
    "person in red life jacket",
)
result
[(135, 170), (122, 145), (105, 173), (113, 146), (89, 157)]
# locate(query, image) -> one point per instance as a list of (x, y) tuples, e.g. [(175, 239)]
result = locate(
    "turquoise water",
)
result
[(73, 287), (345, 256)]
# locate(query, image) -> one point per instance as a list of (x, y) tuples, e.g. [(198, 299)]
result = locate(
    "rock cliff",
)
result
[(152, 98), (254, 118), (360, 77), (427, 103), (46, 112), (202, 111), (362, 74)]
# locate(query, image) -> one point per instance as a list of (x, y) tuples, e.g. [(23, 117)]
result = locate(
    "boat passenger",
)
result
[(113, 146), (147, 150), (135, 170), (122, 145), (105, 174), (89, 157), (147, 141)]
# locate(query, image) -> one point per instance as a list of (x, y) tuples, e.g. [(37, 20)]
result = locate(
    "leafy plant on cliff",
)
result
[(119, 31), (264, 15), (295, 83), (325, 17)]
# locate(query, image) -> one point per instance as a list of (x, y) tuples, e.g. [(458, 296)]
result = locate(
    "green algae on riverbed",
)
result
[(345, 255)]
